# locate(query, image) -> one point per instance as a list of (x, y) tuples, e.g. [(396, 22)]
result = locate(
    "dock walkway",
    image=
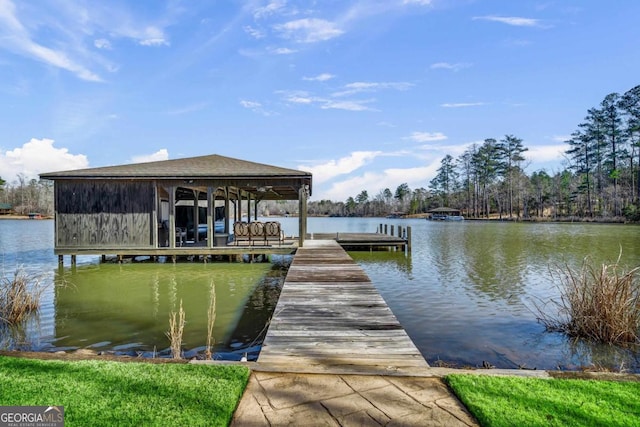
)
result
[(331, 319), (335, 355)]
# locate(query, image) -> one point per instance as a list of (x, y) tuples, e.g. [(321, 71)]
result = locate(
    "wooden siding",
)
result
[(104, 213)]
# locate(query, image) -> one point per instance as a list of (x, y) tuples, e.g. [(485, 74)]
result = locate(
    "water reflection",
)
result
[(125, 308), (469, 296), (248, 335)]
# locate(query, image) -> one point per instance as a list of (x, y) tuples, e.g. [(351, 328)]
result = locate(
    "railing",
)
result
[(403, 233)]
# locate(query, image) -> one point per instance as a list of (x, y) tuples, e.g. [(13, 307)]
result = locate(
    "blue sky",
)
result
[(366, 95)]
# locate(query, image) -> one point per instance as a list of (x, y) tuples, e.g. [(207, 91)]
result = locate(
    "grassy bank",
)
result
[(104, 393), (511, 401)]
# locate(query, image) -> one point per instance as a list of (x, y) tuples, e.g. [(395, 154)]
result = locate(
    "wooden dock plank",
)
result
[(330, 317)]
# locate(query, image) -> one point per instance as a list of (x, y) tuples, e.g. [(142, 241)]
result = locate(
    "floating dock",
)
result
[(331, 319)]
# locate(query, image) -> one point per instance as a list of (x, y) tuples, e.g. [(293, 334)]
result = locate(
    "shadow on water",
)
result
[(125, 309), (247, 337)]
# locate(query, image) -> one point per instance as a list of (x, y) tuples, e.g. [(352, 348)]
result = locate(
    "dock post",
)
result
[(60, 260), (73, 260), (385, 229), (409, 239), (391, 228)]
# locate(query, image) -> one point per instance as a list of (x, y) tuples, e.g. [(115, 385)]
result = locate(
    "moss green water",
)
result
[(127, 306)]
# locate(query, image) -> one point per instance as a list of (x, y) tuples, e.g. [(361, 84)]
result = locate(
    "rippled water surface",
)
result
[(465, 294)]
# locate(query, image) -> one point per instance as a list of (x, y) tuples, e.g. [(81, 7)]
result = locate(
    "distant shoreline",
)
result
[(23, 217)]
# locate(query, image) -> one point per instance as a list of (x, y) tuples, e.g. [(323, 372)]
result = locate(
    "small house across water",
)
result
[(445, 214), (173, 207)]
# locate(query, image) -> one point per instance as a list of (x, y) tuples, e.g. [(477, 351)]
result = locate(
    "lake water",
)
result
[(125, 308), (465, 294)]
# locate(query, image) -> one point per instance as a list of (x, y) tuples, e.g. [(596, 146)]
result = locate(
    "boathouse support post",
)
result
[(154, 216), (409, 239), (196, 215), (303, 193), (172, 217), (211, 216), (227, 211), (255, 208), (239, 216)]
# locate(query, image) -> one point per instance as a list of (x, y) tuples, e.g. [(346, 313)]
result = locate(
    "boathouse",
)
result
[(186, 206)]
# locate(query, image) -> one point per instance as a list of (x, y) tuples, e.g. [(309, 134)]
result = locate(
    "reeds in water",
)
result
[(597, 303), (19, 297), (176, 329), (211, 320)]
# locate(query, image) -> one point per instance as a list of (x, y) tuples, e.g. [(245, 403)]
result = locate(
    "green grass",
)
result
[(105, 393), (514, 401)]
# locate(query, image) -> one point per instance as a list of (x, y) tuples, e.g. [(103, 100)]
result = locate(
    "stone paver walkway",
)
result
[(296, 399)]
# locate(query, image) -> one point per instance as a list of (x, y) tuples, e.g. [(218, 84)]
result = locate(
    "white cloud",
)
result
[(349, 89), (448, 66), (162, 154), (254, 32), (560, 138), (319, 78), (15, 37), (297, 99), (151, 36), (38, 156), (359, 87), (373, 182), (463, 104), (511, 20), (62, 40), (256, 107), (333, 168), (353, 105), (102, 44), (546, 153), (427, 136), (309, 30), (250, 104), (282, 51), (271, 8)]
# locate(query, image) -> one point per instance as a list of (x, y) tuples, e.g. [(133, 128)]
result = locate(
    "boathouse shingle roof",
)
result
[(210, 167), (244, 174)]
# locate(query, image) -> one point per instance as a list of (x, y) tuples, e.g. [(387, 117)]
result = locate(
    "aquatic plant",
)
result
[(19, 297), (211, 320), (176, 330), (598, 303)]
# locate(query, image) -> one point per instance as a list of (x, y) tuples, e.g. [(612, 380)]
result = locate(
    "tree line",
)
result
[(27, 195), (601, 176), (600, 179)]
